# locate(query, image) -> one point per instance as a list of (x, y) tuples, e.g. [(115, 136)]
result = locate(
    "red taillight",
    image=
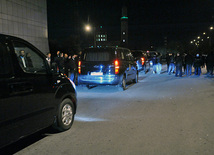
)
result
[(116, 66), (79, 67), (143, 60)]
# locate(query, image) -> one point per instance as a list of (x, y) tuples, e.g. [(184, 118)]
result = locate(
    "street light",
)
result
[(211, 28), (88, 28)]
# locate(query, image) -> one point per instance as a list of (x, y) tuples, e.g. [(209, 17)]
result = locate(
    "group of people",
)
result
[(64, 63), (175, 63)]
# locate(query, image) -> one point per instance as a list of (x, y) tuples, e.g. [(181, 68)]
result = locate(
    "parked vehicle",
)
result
[(32, 97), (141, 60), (107, 66)]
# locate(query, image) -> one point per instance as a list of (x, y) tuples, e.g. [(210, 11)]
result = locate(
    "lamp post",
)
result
[(89, 28), (210, 38)]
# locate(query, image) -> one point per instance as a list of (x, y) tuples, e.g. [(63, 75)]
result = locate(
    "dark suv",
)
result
[(32, 97), (107, 66)]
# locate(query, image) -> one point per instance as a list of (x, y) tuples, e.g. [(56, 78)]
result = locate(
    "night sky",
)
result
[(149, 20)]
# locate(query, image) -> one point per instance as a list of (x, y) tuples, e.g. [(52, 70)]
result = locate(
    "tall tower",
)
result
[(124, 28)]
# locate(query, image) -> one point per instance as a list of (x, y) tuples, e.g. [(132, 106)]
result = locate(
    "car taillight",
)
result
[(79, 67), (143, 60), (116, 66)]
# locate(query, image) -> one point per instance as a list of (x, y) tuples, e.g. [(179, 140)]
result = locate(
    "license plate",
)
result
[(96, 73)]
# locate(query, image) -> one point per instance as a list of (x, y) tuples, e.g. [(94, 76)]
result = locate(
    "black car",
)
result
[(142, 60), (107, 66), (32, 97)]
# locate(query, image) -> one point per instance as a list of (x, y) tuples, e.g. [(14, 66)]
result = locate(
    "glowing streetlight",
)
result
[(211, 28), (204, 33), (198, 37), (88, 28)]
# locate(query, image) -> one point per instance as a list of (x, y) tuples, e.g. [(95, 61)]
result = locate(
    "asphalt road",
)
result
[(160, 115)]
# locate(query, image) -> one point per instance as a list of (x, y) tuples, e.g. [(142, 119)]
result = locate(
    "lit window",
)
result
[(124, 40), (124, 33)]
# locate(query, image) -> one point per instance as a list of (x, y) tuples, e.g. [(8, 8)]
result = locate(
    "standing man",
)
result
[(56, 61), (168, 61), (197, 64), (189, 62), (49, 59), (210, 63), (178, 63), (171, 63)]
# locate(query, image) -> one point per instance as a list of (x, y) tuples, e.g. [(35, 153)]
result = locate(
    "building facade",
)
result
[(26, 19)]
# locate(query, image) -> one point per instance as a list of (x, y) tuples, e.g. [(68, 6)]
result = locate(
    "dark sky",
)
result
[(149, 20)]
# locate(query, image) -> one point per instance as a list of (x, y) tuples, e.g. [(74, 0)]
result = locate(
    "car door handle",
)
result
[(20, 88)]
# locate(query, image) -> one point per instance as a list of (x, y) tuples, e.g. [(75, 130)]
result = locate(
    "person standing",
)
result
[(61, 63), (197, 64), (210, 63), (73, 67), (154, 63), (158, 65), (56, 61), (189, 62), (178, 63), (168, 61), (49, 59), (171, 63), (66, 65)]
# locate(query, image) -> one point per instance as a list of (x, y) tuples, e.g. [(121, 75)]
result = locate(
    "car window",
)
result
[(5, 63), (29, 60), (98, 55)]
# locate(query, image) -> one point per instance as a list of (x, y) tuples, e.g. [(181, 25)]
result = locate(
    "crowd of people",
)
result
[(178, 64), (64, 64)]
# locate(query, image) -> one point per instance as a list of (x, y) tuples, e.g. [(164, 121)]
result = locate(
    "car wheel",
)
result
[(65, 116), (148, 69), (144, 69), (122, 85), (136, 78)]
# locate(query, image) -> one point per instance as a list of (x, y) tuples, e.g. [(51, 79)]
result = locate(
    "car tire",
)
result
[(144, 69), (136, 78), (65, 115), (122, 85)]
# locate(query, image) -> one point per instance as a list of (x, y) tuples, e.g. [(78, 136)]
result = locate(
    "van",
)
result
[(107, 66), (32, 97)]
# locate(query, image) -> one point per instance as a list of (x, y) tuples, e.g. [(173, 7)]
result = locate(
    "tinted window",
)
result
[(29, 60), (4, 60), (98, 55)]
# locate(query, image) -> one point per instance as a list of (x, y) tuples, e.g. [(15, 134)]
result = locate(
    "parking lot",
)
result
[(162, 114)]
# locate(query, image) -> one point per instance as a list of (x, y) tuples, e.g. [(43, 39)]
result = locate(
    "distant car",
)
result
[(107, 66), (141, 60), (32, 97)]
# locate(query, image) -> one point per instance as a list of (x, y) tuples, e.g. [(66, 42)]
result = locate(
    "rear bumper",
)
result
[(99, 80)]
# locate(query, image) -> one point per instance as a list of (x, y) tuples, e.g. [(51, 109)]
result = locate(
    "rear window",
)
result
[(98, 55)]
